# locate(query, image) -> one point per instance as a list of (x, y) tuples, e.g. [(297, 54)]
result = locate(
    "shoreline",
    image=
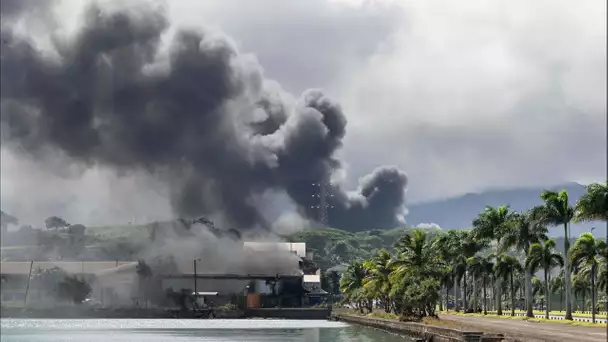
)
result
[(424, 332), (454, 328)]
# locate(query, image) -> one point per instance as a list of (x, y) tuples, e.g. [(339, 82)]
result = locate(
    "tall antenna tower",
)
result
[(322, 193)]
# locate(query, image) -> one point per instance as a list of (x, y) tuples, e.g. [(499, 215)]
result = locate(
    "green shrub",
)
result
[(228, 306)]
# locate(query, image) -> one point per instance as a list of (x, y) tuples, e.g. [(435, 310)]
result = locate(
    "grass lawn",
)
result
[(523, 318), (586, 314)]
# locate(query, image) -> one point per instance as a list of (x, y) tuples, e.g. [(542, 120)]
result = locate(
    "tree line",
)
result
[(487, 265)]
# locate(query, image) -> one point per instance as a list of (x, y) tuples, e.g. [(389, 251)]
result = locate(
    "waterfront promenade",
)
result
[(532, 331)]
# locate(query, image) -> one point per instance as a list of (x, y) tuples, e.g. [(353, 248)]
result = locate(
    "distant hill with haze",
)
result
[(458, 212)]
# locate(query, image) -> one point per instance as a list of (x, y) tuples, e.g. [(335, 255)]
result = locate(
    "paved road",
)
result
[(520, 330)]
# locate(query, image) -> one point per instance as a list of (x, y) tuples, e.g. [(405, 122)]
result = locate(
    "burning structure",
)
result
[(115, 283), (197, 116)]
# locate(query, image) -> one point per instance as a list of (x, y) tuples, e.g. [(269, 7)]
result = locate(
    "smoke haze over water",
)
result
[(195, 114)]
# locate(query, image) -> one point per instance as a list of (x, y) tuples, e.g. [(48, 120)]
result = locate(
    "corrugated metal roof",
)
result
[(73, 267), (205, 293), (298, 247)]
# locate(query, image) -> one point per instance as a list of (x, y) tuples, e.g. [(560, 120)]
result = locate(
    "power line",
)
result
[(322, 192)]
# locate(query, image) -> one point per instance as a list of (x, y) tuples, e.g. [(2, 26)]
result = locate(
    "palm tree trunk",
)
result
[(547, 294), (456, 307), (512, 297), (474, 294), (561, 300), (593, 293), (493, 304), (567, 273), (464, 292), (522, 294), (447, 298), (528, 286), (499, 296), (583, 306), (548, 280), (485, 303)]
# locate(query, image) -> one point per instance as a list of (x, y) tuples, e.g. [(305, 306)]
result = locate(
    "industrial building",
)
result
[(116, 283)]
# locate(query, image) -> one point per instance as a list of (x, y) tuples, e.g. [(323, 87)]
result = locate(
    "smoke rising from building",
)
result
[(198, 116)]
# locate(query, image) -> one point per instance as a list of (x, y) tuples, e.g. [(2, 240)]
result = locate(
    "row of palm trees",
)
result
[(522, 246), (406, 283), (503, 247)]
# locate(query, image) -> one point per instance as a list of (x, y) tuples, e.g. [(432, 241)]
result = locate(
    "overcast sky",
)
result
[(462, 95)]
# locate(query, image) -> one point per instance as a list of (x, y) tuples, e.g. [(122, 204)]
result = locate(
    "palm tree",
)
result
[(459, 267), (602, 275), (475, 269), (580, 286), (557, 211), (447, 245), (593, 205), (544, 256), (463, 245), (480, 267), (539, 288), (416, 251), (558, 285), (447, 281), (489, 225), (416, 255), (488, 275), (505, 268), (521, 234), (351, 282), (585, 255), (378, 277)]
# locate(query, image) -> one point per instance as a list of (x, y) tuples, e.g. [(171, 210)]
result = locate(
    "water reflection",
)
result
[(189, 330)]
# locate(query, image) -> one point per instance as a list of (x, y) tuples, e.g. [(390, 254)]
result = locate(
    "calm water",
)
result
[(151, 330)]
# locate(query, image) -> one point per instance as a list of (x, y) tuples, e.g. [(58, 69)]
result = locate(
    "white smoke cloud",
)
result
[(428, 226)]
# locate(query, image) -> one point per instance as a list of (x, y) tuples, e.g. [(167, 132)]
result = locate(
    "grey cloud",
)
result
[(186, 123), (474, 96), (301, 43), (463, 98)]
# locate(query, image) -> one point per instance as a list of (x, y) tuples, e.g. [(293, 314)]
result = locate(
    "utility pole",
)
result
[(27, 287), (195, 292), (321, 192)]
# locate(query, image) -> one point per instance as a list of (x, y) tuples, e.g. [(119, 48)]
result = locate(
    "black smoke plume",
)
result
[(199, 117)]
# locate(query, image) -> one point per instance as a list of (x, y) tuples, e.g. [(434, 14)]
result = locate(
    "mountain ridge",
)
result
[(459, 211)]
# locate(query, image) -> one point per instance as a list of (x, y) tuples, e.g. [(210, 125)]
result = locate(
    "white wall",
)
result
[(222, 286)]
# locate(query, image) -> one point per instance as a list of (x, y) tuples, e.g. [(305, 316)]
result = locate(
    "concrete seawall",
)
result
[(289, 313), (76, 312), (80, 312), (419, 330)]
